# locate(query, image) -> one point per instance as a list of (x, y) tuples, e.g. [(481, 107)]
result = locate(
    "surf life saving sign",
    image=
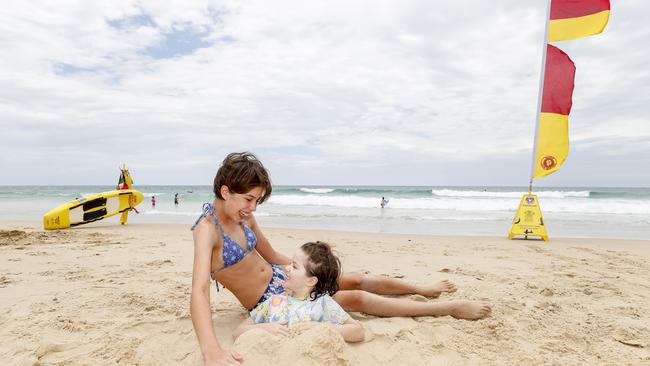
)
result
[(565, 20), (528, 221)]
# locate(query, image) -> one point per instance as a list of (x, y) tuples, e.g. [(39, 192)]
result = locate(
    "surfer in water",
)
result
[(384, 202)]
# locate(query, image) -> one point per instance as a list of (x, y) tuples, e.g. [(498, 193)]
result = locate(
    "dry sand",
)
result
[(109, 294)]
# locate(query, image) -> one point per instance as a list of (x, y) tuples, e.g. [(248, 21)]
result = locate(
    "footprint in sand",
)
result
[(39, 253), (547, 292), (49, 347), (4, 281), (160, 263), (536, 249), (12, 237)]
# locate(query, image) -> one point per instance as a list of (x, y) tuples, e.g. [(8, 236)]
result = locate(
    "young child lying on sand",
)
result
[(311, 279)]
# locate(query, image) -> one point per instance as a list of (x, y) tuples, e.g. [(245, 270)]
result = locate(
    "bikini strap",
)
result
[(208, 209), (247, 229)]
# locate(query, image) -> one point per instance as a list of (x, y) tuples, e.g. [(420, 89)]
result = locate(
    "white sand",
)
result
[(110, 294)]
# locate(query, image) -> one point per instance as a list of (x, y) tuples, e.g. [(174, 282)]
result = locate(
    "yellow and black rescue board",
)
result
[(92, 208)]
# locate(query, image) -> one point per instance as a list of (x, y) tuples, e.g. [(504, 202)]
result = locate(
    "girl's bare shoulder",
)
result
[(206, 233)]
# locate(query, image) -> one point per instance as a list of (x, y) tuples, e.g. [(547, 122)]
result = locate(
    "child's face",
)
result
[(240, 206), (298, 281)]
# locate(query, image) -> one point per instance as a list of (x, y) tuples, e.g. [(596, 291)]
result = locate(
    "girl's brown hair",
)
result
[(324, 265), (241, 172)]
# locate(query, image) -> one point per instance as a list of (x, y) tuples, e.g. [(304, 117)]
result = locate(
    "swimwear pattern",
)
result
[(283, 307), (232, 252), (276, 285)]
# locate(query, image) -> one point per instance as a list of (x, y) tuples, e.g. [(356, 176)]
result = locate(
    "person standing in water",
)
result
[(153, 201), (384, 202), (176, 199)]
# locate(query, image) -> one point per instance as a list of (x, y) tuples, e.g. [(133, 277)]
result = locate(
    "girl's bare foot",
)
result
[(470, 310), (437, 288)]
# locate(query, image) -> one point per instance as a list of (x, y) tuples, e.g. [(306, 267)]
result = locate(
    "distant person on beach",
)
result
[(383, 203), (175, 199), (153, 201), (227, 232), (310, 281)]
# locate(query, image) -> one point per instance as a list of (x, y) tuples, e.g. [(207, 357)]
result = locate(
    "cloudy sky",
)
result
[(337, 92)]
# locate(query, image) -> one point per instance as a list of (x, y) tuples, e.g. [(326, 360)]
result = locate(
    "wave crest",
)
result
[(512, 194), (317, 190)]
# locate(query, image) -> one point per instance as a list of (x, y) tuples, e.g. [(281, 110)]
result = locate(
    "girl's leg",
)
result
[(362, 301), (390, 286)]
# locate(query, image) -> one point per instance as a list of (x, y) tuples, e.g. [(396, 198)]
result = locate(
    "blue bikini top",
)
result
[(232, 252)]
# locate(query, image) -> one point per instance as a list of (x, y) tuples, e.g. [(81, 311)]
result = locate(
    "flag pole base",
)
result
[(528, 221)]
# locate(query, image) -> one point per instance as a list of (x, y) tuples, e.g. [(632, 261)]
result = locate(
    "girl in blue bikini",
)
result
[(230, 247)]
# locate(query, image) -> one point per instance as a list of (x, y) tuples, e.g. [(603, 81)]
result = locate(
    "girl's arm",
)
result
[(200, 310), (264, 247)]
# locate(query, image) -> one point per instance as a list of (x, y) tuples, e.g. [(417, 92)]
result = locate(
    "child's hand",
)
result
[(279, 328), (304, 326)]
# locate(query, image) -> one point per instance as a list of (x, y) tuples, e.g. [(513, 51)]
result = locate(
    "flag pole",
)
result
[(541, 93)]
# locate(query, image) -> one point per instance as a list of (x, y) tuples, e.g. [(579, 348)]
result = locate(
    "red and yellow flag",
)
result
[(553, 131), (571, 19)]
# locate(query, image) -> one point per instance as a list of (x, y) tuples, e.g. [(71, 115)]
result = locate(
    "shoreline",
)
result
[(113, 222)]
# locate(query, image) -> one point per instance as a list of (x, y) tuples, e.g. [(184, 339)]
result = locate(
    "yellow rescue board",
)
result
[(92, 208)]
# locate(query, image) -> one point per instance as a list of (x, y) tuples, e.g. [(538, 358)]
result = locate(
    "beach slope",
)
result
[(108, 294)]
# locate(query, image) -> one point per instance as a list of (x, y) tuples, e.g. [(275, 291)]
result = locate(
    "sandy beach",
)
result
[(110, 294)]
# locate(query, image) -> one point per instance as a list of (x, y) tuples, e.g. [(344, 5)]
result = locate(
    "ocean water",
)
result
[(568, 212)]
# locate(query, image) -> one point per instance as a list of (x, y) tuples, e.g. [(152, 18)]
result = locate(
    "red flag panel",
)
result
[(563, 9), (558, 82)]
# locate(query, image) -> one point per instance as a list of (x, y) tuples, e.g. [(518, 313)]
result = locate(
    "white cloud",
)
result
[(401, 86)]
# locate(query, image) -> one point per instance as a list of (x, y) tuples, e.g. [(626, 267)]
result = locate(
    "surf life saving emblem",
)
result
[(549, 162)]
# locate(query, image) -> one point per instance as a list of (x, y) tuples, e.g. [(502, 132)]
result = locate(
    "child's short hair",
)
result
[(324, 265), (241, 172)]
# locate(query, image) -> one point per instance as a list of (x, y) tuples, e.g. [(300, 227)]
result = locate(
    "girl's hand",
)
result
[(224, 358), (304, 326), (279, 328)]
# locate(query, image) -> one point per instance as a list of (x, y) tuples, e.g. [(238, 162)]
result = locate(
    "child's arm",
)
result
[(245, 326), (351, 330), (248, 324)]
